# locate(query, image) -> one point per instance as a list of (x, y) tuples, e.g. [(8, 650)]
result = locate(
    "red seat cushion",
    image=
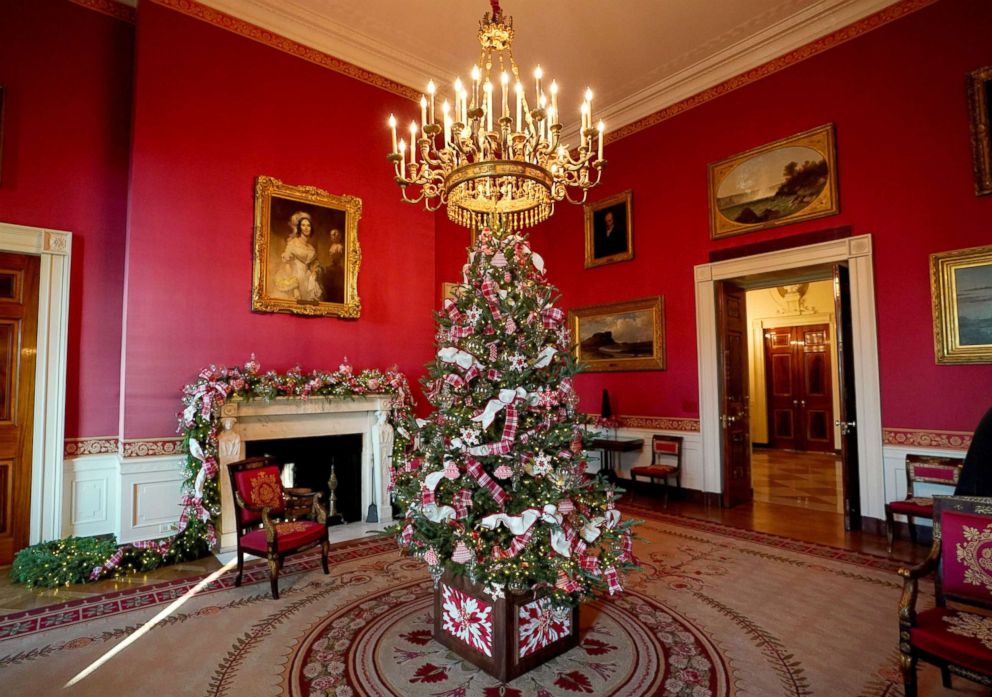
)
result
[(963, 647), (653, 471), (918, 507), (289, 536)]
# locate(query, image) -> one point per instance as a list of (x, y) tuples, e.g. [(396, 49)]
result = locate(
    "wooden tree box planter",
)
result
[(505, 637)]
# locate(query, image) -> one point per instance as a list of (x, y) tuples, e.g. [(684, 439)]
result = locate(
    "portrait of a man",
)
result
[(608, 230)]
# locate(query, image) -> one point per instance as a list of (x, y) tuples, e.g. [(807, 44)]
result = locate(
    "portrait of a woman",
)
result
[(299, 277)]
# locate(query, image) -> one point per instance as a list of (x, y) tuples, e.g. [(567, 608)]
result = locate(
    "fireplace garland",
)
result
[(199, 423)]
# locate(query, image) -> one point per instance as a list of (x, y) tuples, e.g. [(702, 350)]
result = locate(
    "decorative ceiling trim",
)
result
[(118, 10), (271, 39), (852, 31)]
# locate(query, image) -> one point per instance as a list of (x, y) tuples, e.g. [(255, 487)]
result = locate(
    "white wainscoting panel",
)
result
[(150, 497), (91, 495)]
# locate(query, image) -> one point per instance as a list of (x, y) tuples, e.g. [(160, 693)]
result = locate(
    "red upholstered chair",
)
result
[(264, 514), (956, 635), (670, 448), (923, 469)]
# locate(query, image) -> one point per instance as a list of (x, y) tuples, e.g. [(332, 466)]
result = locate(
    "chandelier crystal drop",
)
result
[(492, 165)]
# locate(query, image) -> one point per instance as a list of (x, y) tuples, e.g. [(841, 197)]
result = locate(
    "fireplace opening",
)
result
[(313, 457)]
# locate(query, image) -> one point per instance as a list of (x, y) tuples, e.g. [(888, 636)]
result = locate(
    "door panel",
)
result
[(847, 418), (799, 393), (18, 344), (732, 319)]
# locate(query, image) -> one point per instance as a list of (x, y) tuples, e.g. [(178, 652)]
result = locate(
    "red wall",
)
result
[(67, 74), (896, 95), (212, 111)]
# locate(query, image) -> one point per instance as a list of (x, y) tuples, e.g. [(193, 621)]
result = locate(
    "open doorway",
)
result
[(725, 401), (793, 392)]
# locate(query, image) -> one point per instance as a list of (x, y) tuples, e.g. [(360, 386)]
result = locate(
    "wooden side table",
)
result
[(613, 449)]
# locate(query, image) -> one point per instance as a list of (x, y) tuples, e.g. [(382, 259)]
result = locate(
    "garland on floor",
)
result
[(76, 560)]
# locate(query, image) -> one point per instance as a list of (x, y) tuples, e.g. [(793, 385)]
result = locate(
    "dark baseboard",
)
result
[(646, 488), (874, 526)]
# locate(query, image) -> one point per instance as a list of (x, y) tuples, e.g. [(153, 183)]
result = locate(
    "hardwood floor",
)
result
[(800, 523)]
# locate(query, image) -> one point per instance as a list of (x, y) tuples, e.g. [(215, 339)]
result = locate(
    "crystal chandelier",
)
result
[(490, 165)]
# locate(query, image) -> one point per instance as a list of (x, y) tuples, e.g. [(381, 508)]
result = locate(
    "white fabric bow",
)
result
[(438, 514), (463, 359), (545, 356), (504, 399)]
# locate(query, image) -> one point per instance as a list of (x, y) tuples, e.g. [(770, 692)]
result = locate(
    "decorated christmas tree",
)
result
[(496, 487)]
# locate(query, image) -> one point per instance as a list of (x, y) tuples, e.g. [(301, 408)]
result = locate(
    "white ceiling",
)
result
[(638, 56)]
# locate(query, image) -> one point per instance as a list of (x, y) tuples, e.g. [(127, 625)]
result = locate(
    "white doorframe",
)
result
[(857, 252), (54, 247)]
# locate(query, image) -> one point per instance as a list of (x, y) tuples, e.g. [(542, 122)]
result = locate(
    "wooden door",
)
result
[(732, 321), (847, 418), (799, 390), (18, 345)]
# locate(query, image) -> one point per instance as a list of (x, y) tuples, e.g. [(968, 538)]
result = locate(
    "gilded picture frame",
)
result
[(781, 183), (609, 230), (305, 254), (961, 297), (622, 336), (980, 108)]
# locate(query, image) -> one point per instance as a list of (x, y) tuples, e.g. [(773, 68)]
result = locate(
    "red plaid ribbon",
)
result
[(551, 316), (427, 496), (493, 352), (628, 549), (407, 534), (493, 374), (460, 331), (580, 548), (454, 314), (589, 563), (454, 380), (489, 292), (612, 580), (569, 585), (471, 373), (519, 542), (463, 501), (474, 468)]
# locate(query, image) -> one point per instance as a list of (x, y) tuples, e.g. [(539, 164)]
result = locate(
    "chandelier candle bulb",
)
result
[(476, 75), (413, 142), (447, 129), (589, 102), (520, 106), (601, 127), (554, 95), (431, 90), (423, 110), (504, 82), (402, 159), (489, 105), (538, 74), (392, 127)]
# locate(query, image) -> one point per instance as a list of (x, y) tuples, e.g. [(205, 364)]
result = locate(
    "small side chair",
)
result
[(924, 469), (956, 635), (670, 448), (264, 515)]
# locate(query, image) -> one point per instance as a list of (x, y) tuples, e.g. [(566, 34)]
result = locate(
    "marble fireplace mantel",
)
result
[(292, 417)]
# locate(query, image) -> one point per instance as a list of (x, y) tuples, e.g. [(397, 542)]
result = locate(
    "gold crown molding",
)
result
[(150, 447), (271, 39), (100, 445), (852, 31), (948, 440), (113, 8)]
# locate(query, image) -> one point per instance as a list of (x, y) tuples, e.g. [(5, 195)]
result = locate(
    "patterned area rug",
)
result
[(716, 611)]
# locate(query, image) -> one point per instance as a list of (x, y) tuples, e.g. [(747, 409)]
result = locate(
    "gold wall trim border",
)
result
[(151, 447), (824, 43), (949, 440), (111, 8), (99, 445), (251, 31)]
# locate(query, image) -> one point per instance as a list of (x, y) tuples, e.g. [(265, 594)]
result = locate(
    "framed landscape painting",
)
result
[(306, 254), (961, 294), (777, 184), (628, 335)]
